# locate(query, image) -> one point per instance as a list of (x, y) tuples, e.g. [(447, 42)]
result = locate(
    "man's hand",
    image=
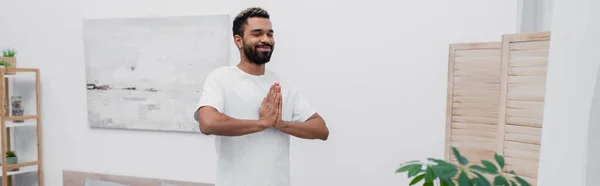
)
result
[(279, 122), (269, 108)]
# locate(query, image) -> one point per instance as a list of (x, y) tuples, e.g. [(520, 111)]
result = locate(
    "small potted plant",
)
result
[(11, 158), (8, 59), (465, 173)]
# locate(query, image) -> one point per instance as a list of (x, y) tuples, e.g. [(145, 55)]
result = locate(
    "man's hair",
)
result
[(241, 20)]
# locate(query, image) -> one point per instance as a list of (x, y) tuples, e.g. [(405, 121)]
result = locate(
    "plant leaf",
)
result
[(4, 63), (492, 169), (522, 181), (417, 179), (443, 183), (429, 174), (444, 171), (500, 180), (512, 183), (480, 180), (410, 163), (499, 160), (428, 184), (463, 180), (448, 182), (462, 160), (406, 167), (479, 168), (414, 170)]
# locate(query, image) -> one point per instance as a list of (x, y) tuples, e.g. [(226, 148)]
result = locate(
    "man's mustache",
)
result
[(264, 44)]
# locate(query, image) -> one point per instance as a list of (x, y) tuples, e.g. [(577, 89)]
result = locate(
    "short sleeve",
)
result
[(212, 95), (302, 108)]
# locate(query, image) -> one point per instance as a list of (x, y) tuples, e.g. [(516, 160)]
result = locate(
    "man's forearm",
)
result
[(224, 125), (310, 129)]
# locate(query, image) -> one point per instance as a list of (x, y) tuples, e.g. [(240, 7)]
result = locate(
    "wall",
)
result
[(535, 15), (593, 146), (376, 70), (572, 73)]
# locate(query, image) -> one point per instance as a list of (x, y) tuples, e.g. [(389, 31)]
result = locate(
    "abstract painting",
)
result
[(147, 73)]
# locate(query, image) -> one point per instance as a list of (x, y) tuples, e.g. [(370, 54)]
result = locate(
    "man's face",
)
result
[(258, 42)]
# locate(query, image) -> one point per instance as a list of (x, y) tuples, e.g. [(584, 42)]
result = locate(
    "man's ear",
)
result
[(238, 41)]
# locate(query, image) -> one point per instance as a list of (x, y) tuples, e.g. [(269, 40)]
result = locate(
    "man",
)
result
[(251, 113)]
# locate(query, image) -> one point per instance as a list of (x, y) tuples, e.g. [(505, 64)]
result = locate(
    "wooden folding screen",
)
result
[(524, 61), (496, 100), (473, 99)]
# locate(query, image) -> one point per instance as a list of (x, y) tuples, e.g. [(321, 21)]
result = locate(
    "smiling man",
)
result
[(252, 112)]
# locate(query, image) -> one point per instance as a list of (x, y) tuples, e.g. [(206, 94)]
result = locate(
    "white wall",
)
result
[(593, 146), (535, 15), (572, 74), (376, 70)]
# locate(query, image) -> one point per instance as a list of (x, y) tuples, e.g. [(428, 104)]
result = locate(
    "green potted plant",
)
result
[(11, 158), (9, 57), (441, 173)]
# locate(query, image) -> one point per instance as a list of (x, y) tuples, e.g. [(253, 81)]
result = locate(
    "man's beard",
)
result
[(258, 57)]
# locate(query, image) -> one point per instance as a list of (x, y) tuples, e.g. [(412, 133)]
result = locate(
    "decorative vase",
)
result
[(17, 107), (10, 60)]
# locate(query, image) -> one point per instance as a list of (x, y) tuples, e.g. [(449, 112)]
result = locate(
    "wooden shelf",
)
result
[(13, 118), (26, 123), (22, 170), (8, 77), (19, 165)]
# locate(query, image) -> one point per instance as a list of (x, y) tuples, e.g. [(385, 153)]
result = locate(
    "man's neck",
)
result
[(251, 68)]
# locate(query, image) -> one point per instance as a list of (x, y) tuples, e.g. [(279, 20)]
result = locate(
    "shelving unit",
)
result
[(9, 122)]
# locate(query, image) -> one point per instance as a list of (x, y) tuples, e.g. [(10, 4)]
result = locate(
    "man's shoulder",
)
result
[(220, 72)]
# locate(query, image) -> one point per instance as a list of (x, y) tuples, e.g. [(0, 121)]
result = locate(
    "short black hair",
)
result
[(241, 20)]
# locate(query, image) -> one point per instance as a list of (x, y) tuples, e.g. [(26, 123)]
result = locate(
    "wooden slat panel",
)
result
[(473, 146), (476, 66), (473, 105), (478, 73), (528, 170), (524, 62), (478, 79), (473, 99), (522, 96), (532, 131), (477, 86), (476, 112), (525, 105), (522, 146), (520, 113), (474, 119), (523, 121), (477, 60), (490, 100), (529, 53), (527, 71), (469, 138), (475, 126), (519, 154), (540, 45), (521, 138)]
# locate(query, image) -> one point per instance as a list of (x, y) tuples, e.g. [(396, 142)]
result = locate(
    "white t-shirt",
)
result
[(257, 159)]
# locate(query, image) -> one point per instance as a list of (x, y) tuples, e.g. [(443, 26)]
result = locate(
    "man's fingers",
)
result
[(272, 99), (280, 105), (264, 101), (271, 91)]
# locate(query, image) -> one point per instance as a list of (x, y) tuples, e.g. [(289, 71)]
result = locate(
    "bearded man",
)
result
[(252, 112)]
